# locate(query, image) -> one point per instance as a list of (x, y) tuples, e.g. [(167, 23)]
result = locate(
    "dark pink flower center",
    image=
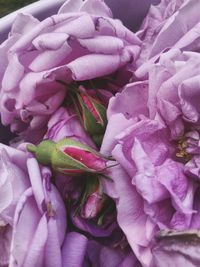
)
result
[(91, 108), (87, 158)]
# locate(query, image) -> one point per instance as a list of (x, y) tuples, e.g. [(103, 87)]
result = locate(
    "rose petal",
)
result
[(35, 255), (52, 248), (23, 24), (94, 7), (50, 58), (36, 182), (73, 250), (83, 68), (131, 218), (114, 128), (103, 44), (50, 41), (138, 92)]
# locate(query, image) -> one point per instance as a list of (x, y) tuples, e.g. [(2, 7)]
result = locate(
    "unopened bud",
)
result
[(92, 114), (69, 156)]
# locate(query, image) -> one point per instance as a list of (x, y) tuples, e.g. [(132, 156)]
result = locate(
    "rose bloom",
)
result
[(153, 188), (32, 213), (155, 139), (172, 23), (82, 42)]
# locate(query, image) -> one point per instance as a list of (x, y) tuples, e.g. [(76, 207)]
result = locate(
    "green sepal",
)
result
[(52, 154), (43, 152)]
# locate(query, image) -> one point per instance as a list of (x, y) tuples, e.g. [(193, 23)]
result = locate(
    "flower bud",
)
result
[(94, 200), (92, 114), (68, 156)]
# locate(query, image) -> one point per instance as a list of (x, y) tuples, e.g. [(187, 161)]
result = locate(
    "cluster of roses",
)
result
[(106, 151)]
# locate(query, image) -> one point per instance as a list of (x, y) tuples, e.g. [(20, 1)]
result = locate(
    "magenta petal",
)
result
[(73, 250), (85, 157)]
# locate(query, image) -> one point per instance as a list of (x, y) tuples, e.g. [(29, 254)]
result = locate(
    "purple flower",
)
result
[(158, 19), (160, 148), (32, 214), (173, 99), (170, 24), (152, 187), (64, 48)]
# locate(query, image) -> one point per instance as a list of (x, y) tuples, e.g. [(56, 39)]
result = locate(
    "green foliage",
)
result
[(7, 6)]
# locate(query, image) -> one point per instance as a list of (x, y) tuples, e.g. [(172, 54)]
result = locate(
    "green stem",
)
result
[(31, 148)]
